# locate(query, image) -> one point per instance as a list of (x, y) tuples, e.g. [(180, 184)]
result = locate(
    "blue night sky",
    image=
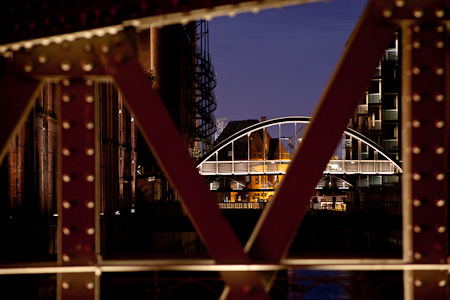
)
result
[(276, 63)]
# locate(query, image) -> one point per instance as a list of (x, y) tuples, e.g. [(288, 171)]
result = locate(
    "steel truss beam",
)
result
[(426, 155)]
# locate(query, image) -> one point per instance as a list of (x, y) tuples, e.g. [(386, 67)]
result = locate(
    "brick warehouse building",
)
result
[(174, 58)]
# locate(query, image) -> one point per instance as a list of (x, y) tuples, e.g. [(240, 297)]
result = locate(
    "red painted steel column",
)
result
[(77, 206), (425, 183)]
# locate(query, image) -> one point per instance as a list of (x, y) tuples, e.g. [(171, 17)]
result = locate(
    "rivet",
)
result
[(90, 204), (66, 258), (87, 47), (42, 58), (416, 150), (400, 3), (87, 66), (417, 229), (440, 202), (89, 82), (90, 285), (416, 28), (439, 123), (66, 231), (66, 124), (387, 12), (28, 45), (439, 150), (90, 231), (90, 178), (66, 151), (439, 176), (439, 44), (79, 247), (439, 71), (416, 97), (66, 98), (66, 82), (440, 28), (442, 283), (416, 202), (28, 67), (66, 204), (416, 44), (418, 13), (208, 18), (416, 70), (66, 178), (440, 228), (89, 151), (255, 10), (418, 282), (65, 285), (416, 123), (89, 98), (113, 30), (416, 176), (439, 13), (417, 255), (439, 97), (232, 14), (90, 125), (66, 65), (105, 48)]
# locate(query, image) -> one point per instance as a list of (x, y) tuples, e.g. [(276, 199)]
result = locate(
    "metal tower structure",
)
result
[(77, 45)]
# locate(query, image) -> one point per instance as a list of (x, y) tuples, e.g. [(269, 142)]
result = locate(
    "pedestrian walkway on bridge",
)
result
[(252, 151)]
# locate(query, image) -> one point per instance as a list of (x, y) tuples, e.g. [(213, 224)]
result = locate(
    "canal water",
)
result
[(344, 285)]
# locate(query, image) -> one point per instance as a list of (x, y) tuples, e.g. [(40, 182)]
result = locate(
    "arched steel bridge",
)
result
[(210, 164), (98, 40)]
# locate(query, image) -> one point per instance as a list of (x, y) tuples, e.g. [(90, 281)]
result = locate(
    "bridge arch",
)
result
[(294, 120)]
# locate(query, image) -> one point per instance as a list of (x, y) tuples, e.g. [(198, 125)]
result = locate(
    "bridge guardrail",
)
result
[(280, 167)]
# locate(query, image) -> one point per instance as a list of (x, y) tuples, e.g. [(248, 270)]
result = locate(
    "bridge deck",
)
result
[(252, 167)]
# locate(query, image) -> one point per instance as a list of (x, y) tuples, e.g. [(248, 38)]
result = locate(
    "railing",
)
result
[(375, 125), (374, 98), (362, 109), (280, 167), (241, 205), (390, 114), (360, 167), (390, 145), (391, 55)]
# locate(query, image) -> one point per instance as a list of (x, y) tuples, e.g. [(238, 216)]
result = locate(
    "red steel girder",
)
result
[(425, 152), (278, 224), (16, 102), (168, 147), (23, 20)]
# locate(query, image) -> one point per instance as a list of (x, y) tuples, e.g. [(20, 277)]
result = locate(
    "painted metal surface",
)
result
[(426, 185), (19, 22), (76, 206), (277, 226), (426, 150), (166, 143)]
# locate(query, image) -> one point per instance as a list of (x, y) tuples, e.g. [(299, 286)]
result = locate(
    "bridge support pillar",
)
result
[(425, 156)]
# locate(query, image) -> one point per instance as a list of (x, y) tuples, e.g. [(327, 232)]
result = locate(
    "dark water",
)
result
[(343, 285), (326, 285)]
